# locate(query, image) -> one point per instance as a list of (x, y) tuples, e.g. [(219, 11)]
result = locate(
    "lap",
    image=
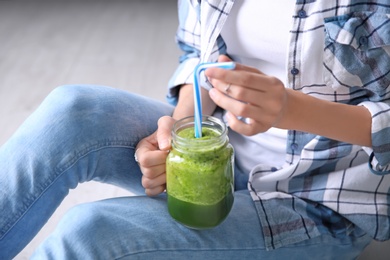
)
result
[(76, 133), (140, 227)]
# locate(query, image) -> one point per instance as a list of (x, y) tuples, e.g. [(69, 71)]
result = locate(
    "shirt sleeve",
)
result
[(188, 40), (380, 134), (357, 58)]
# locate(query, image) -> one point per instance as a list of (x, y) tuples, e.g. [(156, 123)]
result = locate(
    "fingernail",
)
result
[(212, 93), (163, 144), (228, 115)]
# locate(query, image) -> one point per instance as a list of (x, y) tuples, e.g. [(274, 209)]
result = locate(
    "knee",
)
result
[(81, 219), (76, 234), (110, 217), (107, 229), (70, 98)]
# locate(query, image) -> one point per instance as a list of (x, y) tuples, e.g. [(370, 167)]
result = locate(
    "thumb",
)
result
[(164, 129)]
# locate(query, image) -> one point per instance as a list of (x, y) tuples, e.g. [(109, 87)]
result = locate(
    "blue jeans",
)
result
[(83, 133)]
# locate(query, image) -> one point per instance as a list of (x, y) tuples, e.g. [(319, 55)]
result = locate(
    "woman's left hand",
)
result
[(247, 92)]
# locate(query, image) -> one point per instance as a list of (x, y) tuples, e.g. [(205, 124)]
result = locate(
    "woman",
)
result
[(319, 69)]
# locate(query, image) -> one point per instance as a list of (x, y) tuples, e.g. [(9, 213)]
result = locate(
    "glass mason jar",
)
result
[(200, 173)]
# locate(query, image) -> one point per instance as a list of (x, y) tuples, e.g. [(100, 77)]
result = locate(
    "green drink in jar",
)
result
[(200, 174)]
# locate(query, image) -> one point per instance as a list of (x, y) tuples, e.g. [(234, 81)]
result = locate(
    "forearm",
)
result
[(185, 105), (337, 121)]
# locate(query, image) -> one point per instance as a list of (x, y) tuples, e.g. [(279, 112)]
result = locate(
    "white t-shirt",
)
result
[(256, 34)]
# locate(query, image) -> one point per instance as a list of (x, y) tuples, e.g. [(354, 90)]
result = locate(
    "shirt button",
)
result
[(363, 40), (294, 146), (302, 14), (294, 71)]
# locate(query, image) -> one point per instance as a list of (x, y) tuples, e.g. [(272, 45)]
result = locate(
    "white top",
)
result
[(263, 47)]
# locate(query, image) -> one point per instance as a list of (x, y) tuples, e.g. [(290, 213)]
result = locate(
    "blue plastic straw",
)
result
[(197, 97)]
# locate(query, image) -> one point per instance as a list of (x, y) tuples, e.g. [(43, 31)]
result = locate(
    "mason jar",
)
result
[(200, 173)]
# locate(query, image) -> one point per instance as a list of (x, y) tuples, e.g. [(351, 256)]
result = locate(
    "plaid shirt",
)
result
[(340, 52)]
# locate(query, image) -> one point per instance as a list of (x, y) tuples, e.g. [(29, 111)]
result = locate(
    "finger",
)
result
[(245, 79), (232, 76), (149, 158), (258, 87), (235, 106), (223, 58), (154, 171), (260, 115), (148, 143), (246, 95), (149, 183), (248, 127), (155, 191), (165, 125)]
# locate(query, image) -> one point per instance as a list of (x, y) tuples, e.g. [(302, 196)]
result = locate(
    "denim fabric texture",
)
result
[(83, 133)]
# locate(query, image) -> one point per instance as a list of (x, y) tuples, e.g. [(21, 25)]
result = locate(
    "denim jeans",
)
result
[(83, 133)]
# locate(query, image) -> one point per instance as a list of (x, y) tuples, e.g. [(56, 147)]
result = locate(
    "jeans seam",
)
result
[(187, 249), (95, 147)]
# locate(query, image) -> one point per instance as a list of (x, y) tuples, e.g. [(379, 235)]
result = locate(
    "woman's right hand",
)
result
[(151, 153)]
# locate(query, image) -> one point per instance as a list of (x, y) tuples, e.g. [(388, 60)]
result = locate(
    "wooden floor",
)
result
[(127, 44)]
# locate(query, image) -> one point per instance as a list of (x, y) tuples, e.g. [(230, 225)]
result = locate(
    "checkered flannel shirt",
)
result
[(339, 51)]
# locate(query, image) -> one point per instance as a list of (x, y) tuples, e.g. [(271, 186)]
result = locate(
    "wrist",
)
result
[(185, 105), (343, 122)]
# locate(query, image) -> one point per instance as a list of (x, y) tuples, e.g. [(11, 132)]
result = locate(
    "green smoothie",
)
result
[(200, 180)]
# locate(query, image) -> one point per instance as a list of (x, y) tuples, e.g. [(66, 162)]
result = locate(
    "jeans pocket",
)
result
[(357, 52)]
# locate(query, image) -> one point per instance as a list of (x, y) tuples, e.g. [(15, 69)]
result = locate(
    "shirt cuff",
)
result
[(380, 135), (184, 74)]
